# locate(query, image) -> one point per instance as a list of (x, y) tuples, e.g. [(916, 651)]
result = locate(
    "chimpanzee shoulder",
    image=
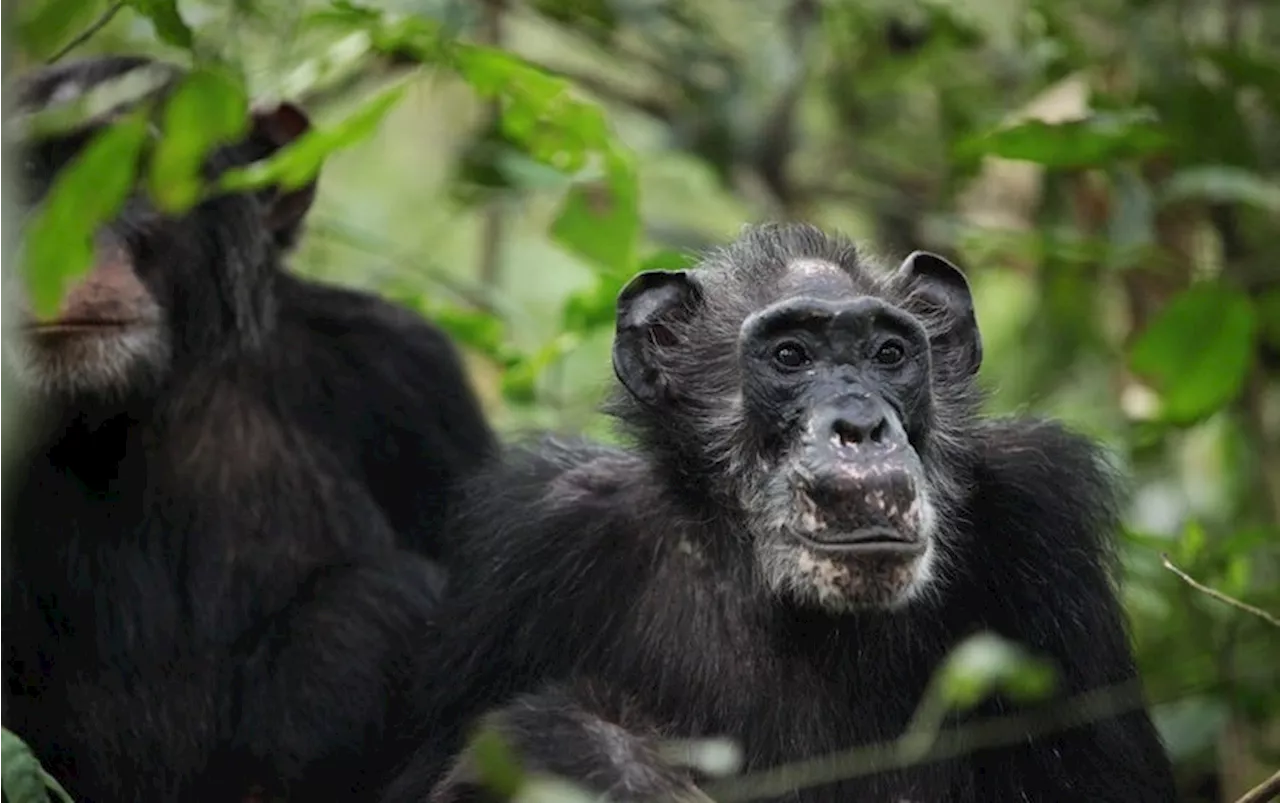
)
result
[(388, 389)]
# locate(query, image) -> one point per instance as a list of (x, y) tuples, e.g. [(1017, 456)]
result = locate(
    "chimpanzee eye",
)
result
[(791, 355), (890, 353)]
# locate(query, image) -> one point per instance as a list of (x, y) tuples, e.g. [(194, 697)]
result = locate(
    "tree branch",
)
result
[(1218, 595), (1267, 790), (89, 32)]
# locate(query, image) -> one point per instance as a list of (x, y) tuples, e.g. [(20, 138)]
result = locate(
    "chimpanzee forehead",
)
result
[(818, 278)]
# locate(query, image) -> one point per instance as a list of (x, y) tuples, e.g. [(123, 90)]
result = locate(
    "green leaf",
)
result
[(498, 768), (167, 21), (1098, 140), (600, 221), (52, 23), (58, 245), (539, 111), (298, 162), (1223, 184), (209, 108), (986, 663), (23, 779), (1197, 351)]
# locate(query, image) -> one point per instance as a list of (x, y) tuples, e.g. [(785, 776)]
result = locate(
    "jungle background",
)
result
[(1107, 171)]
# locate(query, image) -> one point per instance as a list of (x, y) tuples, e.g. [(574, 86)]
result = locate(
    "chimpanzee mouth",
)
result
[(80, 328), (851, 510), (873, 540), (82, 323)]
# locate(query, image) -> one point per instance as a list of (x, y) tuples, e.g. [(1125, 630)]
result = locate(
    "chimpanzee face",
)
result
[(817, 406), (160, 288)]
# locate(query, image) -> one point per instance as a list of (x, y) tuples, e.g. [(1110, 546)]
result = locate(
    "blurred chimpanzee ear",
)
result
[(647, 307), (275, 127), (938, 291)]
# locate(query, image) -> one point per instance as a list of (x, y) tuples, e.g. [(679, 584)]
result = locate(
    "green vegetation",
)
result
[(1108, 171)]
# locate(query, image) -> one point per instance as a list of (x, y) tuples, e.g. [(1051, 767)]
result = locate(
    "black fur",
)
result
[(636, 570), (203, 590)]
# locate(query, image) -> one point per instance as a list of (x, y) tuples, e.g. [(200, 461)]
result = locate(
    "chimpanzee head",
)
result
[(163, 290), (823, 402)]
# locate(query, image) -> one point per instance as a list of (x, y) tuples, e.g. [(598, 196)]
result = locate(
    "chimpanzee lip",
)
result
[(869, 540), (73, 326)]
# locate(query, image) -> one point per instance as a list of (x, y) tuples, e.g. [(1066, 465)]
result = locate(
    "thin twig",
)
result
[(1218, 595), (1267, 790), (89, 32)]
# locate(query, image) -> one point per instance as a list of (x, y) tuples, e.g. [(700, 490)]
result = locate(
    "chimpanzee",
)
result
[(814, 514), (203, 592)]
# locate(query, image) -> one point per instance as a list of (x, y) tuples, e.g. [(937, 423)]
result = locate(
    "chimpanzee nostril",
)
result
[(880, 432), (856, 431)]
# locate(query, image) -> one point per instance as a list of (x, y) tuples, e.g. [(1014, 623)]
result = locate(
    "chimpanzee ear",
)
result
[(646, 307), (277, 126), (940, 292)]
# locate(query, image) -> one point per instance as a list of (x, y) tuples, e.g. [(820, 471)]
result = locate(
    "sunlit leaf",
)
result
[(209, 108), (716, 757), (553, 790), (165, 18), (58, 245), (600, 221), (1098, 140), (1223, 184), (986, 663), (498, 767), (52, 23), (1197, 351), (298, 162)]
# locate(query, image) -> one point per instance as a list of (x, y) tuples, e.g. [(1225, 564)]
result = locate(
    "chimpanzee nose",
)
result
[(866, 427)]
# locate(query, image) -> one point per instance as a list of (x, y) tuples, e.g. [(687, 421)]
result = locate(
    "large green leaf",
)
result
[(209, 108), (1221, 183), (600, 221), (1197, 351), (1097, 140), (298, 162), (23, 779), (166, 20), (58, 245)]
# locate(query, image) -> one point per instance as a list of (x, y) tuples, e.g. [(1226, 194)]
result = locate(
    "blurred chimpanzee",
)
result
[(203, 591), (814, 515)]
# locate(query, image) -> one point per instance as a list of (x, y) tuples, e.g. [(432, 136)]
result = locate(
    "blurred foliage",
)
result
[(1108, 170)]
